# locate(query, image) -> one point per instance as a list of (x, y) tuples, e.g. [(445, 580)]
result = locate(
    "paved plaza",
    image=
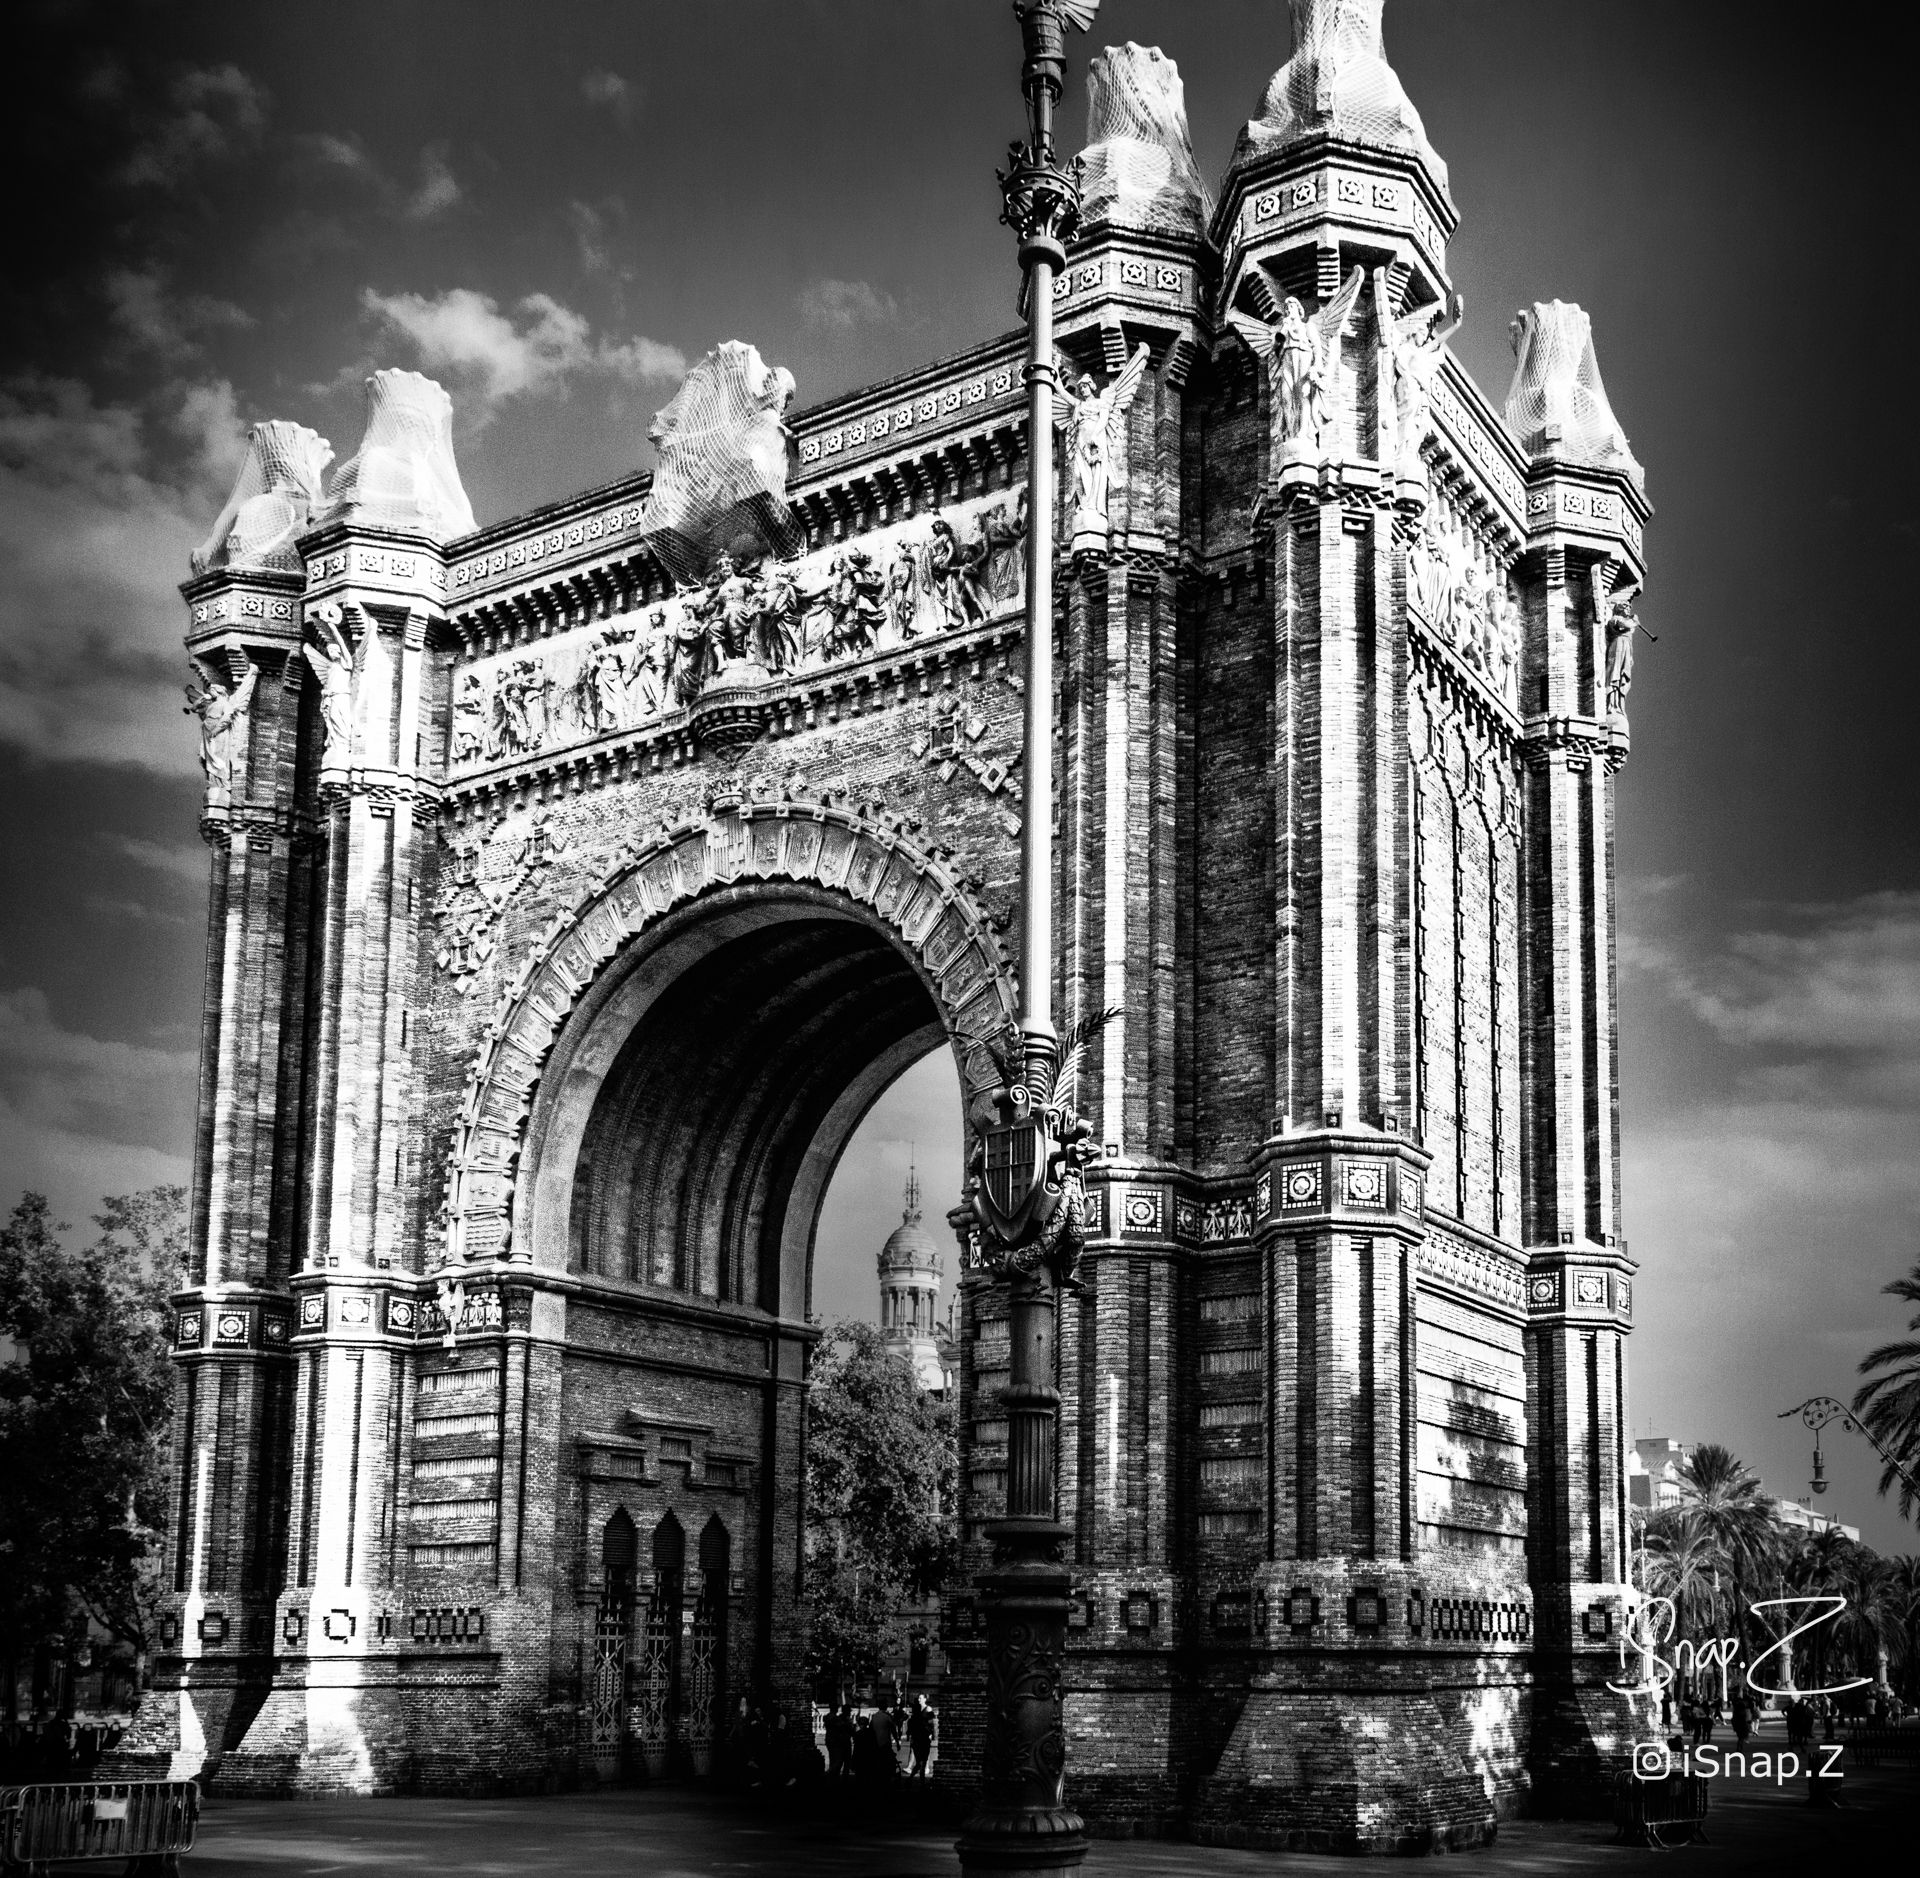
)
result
[(678, 1833)]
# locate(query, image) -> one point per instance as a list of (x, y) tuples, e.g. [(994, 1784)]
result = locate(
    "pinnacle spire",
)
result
[(911, 1215)]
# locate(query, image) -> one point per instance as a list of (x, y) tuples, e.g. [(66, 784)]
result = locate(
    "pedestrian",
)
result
[(839, 1742), (920, 1735), (754, 1732), (881, 1765), (1742, 1715)]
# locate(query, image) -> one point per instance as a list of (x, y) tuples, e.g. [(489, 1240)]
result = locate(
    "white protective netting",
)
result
[(723, 461), (1339, 81), (273, 497), (1557, 405), (1140, 171), (403, 475)]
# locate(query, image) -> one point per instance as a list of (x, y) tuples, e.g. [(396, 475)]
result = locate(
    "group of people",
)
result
[(53, 1747), (1691, 1714), (886, 1743), (771, 1751)]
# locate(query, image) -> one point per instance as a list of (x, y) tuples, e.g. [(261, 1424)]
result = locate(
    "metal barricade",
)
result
[(149, 1823)]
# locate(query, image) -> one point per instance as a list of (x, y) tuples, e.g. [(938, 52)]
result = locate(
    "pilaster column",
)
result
[(232, 1319), (1579, 1276)]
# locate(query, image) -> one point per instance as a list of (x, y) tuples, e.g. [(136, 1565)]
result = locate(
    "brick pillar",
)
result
[(324, 1727), (1123, 885), (1578, 1274), (225, 1553)]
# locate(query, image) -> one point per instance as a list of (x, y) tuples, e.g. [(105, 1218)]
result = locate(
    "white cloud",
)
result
[(608, 91), (1845, 977), (94, 537), (437, 190), (434, 190), (215, 113), (494, 356), (1771, 1200), (641, 361), (82, 1116), (183, 860), (152, 320), (593, 226), (838, 306), (464, 334)]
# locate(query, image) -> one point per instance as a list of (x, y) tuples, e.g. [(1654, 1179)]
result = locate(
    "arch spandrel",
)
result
[(877, 873)]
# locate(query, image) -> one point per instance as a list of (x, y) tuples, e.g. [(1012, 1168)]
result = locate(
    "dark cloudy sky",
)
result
[(228, 212)]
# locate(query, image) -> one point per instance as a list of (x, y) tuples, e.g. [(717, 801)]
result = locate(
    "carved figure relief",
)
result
[(1467, 606), (1003, 528), (1302, 351), (332, 662), (1415, 347), (954, 569), (905, 582), (277, 491), (221, 713), (1094, 421), (1616, 619), (481, 876)]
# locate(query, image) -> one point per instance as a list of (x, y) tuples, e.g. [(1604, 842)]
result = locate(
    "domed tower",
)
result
[(910, 1273)]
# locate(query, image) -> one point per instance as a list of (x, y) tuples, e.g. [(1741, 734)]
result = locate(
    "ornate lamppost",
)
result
[(1025, 1187), (1816, 1412)]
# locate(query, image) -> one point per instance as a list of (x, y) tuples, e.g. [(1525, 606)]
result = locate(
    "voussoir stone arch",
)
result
[(829, 851)]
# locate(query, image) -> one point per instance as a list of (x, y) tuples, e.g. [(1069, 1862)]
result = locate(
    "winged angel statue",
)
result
[(1092, 419), (1301, 351), (1416, 345)]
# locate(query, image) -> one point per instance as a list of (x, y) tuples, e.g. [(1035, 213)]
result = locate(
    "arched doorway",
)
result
[(654, 1125)]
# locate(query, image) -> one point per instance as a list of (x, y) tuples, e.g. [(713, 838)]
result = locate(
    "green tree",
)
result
[(1677, 1562), (1733, 1515), (1889, 1404), (1904, 1587), (880, 1489), (84, 1415)]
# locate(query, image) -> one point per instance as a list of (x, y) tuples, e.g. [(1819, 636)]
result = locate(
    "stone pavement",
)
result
[(679, 1833)]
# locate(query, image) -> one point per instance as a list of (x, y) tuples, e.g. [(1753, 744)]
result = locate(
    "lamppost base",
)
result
[(1022, 1842)]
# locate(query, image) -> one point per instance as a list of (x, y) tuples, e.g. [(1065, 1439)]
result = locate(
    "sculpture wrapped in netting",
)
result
[(274, 496), (1557, 405), (722, 480), (403, 476), (1338, 81), (1140, 171)]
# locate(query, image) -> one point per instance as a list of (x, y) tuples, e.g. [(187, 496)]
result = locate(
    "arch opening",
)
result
[(707, 1088)]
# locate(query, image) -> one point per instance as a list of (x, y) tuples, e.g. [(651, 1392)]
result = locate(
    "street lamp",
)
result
[(1816, 1412), (1024, 1186)]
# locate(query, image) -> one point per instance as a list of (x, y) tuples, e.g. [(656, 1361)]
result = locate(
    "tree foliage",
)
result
[(880, 1489), (1889, 1403), (84, 1416), (1724, 1547)]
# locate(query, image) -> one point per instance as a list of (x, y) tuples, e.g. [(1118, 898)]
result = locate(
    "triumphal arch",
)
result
[(579, 881)]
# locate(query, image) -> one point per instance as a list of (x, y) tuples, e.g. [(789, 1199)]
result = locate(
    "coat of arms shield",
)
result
[(1013, 1174)]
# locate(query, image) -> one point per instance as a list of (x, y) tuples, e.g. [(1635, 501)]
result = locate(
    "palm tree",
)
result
[(1723, 1496), (1903, 1577), (1677, 1562), (1889, 1405), (1870, 1629), (1818, 1564)]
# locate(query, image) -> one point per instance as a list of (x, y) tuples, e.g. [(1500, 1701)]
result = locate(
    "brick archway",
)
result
[(749, 860)]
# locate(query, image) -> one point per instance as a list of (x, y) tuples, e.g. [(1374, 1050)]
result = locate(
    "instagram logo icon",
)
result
[(1652, 1760)]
